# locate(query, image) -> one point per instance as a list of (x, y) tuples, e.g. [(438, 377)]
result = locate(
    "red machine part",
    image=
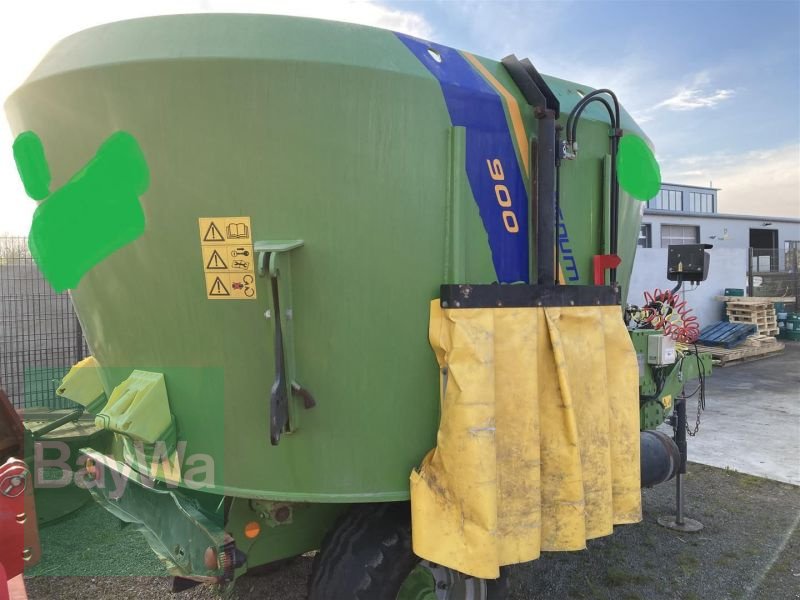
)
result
[(667, 311), (603, 262), (19, 536)]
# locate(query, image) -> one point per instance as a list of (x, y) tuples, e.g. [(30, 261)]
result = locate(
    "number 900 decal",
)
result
[(502, 195)]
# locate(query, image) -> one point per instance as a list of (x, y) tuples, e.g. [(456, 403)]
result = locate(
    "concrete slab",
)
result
[(752, 418)]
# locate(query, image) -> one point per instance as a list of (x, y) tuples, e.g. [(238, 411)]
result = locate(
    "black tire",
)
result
[(367, 555)]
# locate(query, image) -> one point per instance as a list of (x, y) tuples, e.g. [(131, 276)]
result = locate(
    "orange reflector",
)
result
[(252, 529), (210, 559)]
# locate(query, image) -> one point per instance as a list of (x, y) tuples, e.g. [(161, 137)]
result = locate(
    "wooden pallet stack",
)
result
[(760, 340), (732, 343), (750, 350), (760, 314)]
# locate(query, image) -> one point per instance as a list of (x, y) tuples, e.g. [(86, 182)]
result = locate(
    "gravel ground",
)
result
[(749, 549)]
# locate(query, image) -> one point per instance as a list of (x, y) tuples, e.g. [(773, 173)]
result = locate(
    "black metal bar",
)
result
[(542, 98), (53, 425), (557, 234), (551, 100), (680, 432), (534, 209), (530, 90), (546, 198), (279, 399), (614, 225), (520, 295)]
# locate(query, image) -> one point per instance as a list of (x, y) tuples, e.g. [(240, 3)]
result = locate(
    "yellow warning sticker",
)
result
[(214, 258), (226, 244)]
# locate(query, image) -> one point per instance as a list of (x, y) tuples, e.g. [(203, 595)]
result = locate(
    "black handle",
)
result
[(278, 398)]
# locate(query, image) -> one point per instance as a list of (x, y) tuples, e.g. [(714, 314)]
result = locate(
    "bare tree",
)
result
[(13, 248)]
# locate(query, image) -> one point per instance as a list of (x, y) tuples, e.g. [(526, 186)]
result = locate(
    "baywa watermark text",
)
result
[(158, 464)]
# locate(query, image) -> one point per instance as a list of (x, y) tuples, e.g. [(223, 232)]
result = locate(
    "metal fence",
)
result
[(40, 335), (775, 272)]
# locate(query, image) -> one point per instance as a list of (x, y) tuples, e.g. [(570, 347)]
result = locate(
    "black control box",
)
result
[(688, 262)]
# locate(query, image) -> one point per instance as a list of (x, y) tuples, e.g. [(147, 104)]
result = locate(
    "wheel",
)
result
[(367, 556)]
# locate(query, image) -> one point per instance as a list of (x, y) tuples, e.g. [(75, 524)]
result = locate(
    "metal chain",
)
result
[(697, 422), (701, 402)]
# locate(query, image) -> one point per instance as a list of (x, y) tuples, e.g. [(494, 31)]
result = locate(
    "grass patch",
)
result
[(750, 481), (687, 562), (726, 559), (616, 577)]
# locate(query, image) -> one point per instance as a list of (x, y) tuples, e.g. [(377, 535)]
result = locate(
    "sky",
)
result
[(715, 85)]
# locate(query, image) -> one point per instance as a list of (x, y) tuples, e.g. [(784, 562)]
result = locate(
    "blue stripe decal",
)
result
[(568, 263), (498, 188)]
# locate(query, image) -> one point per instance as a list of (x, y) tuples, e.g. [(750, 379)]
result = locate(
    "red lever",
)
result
[(602, 262)]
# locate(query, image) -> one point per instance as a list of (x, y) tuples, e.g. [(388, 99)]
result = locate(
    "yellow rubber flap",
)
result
[(538, 444), (138, 407), (82, 384)]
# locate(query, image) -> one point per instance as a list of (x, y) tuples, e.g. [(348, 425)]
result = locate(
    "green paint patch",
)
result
[(32, 165), (637, 169), (94, 214)]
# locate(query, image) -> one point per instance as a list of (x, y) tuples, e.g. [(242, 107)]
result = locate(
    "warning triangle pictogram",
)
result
[(218, 288), (216, 262), (213, 234)]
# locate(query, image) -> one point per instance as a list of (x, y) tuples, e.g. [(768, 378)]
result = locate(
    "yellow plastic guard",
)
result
[(82, 384), (138, 407), (538, 444)]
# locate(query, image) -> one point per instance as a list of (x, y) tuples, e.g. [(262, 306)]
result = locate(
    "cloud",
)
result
[(763, 182), (693, 98), (642, 117), (696, 94), (361, 12), (474, 22)]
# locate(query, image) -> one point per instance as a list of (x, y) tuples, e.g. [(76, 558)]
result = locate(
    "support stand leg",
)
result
[(679, 522)]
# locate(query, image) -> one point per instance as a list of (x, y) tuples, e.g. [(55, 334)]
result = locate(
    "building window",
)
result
[(700, 202), (679, 234), (667, 200), (645, 236)]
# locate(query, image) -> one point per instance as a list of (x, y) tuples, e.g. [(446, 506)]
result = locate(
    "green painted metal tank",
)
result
[(381, 153)]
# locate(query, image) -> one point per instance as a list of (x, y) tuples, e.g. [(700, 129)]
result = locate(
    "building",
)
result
[(742, 245)]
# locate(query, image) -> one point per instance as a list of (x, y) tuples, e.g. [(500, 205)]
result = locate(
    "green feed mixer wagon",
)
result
[(351, 291)]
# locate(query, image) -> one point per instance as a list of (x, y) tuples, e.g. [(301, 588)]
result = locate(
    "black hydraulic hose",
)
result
[(572, 129), (585, 100), (614, 208), (579, 110)]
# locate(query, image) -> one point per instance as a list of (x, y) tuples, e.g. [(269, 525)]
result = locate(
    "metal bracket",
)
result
[(523, 295), (274, 514), (273, 261), (267, 252)]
